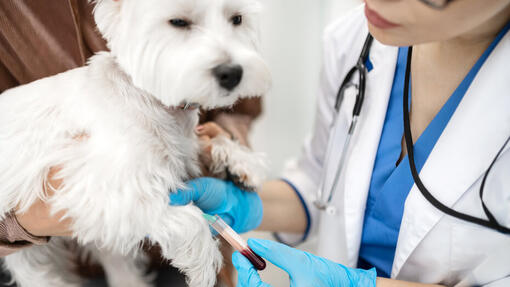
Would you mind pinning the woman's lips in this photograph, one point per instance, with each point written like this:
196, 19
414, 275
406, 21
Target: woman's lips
377, 20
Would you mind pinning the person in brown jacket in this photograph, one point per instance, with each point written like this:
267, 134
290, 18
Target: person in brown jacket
41, 38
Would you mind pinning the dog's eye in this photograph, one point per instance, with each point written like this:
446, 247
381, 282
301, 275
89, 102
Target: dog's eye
237, 20
180, 23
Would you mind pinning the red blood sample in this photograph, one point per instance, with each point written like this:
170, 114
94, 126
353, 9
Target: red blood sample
256, 260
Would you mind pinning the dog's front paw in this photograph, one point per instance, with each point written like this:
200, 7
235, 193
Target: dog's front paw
243, 166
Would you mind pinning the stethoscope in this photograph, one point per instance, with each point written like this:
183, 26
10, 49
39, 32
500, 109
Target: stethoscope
323, 201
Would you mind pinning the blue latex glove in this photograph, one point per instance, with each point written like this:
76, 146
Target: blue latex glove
240, 209
304, 269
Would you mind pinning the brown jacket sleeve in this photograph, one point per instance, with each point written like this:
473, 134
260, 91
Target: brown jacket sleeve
13, 237
43, 38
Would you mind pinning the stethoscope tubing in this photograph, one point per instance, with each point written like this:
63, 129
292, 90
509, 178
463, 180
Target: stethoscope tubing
323, 201
491, 223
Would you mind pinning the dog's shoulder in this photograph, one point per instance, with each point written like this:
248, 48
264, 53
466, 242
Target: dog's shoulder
49, 86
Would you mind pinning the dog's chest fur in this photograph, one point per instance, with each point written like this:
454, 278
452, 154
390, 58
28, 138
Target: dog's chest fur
146, 123
92, 117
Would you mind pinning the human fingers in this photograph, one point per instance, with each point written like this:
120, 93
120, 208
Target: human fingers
187, 195
204, 138
206, 146
286, 258
180, 197
211, 129
38, 220
207, 193
247, 276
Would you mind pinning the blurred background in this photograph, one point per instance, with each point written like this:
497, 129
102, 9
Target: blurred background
291, 43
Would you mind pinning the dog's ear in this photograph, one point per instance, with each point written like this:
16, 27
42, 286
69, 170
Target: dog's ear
107, 17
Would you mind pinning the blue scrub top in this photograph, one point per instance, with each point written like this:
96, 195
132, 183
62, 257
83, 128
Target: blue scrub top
391, 183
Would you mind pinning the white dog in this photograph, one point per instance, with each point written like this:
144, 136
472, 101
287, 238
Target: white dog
115, 130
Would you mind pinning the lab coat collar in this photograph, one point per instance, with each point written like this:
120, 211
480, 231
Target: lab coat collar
360, 163
469, 143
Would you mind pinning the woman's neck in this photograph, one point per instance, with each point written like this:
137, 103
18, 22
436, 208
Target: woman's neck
439, 67
470, 45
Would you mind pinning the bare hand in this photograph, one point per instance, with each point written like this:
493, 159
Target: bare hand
38, 221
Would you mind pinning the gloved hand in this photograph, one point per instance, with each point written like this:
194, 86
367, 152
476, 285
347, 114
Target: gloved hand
240, 209
304, 269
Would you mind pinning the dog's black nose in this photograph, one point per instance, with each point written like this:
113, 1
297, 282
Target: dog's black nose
229, 76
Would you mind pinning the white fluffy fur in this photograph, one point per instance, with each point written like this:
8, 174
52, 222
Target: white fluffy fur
122, 146
246, 167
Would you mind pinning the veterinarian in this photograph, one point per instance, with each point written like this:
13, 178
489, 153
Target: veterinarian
438, 216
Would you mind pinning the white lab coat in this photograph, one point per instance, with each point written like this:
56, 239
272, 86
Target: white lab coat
432, 247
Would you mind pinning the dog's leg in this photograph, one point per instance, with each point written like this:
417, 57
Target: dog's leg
186, 240
246, 167
122, 271
43, 266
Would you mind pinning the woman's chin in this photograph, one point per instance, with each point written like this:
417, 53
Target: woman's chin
392, 37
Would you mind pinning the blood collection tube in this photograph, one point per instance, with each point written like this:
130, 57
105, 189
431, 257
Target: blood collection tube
235, 240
